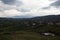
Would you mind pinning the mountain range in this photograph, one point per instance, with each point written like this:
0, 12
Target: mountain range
49, 18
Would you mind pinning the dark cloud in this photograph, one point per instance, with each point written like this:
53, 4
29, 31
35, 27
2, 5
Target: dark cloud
12, 2
56, 4
8, 1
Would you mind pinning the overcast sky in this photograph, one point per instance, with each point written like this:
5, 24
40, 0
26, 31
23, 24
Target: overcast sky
29, 8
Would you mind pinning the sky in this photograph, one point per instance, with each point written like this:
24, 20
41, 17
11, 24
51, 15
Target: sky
29, 8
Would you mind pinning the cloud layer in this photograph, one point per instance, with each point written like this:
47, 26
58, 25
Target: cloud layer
28, 8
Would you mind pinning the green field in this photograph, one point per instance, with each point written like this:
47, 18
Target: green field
25, 35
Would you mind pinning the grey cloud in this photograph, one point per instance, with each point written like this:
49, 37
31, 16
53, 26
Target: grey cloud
8, 1
56, 4
23, 10
12, 2
3, 8
46, 7
18, 3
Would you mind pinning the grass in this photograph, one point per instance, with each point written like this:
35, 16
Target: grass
26, 35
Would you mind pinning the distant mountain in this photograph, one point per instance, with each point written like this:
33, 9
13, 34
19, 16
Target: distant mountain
49, 18
53, 18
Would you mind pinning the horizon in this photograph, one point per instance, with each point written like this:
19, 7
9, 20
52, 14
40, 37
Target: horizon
30, 17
